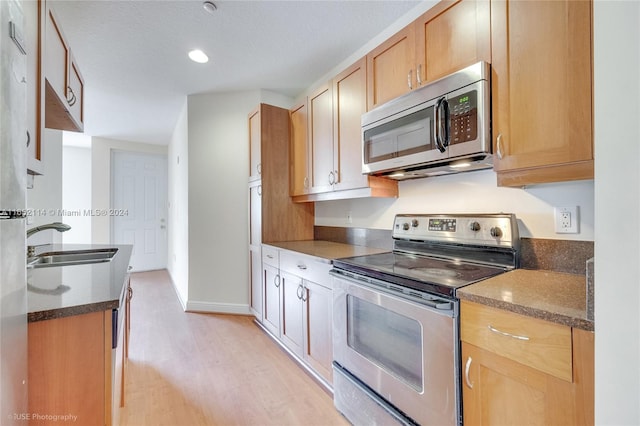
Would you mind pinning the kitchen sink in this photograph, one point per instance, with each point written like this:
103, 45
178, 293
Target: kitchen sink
74, 257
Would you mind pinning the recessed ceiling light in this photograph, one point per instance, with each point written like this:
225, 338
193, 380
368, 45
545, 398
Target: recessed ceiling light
209, 6
197, 55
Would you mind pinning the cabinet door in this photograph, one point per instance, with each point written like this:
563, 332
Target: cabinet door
499, 391
321, 139
256, 282
318, 319
452, 35
32, 34
541, 88
299, 166
292, 306
254, 145
75, 92
390, 68
56, 55
271, 296
255, 213
349, 103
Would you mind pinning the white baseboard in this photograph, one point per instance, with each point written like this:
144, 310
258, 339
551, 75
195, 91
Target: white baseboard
217, 308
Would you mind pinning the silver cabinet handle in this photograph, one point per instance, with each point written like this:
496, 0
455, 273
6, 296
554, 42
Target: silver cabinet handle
269, 256
259, 190
499, 146
336, 176
302, 266
303, 298
28, 138
466, 373
504, 333
259, 168
418, 77
409, 80
276, 280
71, 100
332, 178
299, 291
306, 182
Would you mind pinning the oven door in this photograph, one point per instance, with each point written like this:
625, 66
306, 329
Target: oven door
404, 351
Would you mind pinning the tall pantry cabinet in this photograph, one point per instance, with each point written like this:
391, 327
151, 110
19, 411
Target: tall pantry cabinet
273, 216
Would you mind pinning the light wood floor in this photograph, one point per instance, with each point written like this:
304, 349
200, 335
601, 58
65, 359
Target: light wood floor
202, 369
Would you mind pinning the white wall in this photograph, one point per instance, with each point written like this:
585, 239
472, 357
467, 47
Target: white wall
472, 192
101, 149
76, 193
218, 198
178, 196
617, 211
45, 198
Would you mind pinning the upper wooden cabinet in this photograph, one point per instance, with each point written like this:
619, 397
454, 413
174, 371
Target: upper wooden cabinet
273, 215
63, 83
334, 144
34, 116
299, 156
542, 91
254, 145
451, 36
446, 38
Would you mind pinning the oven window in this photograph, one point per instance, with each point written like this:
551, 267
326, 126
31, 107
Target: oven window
390, 340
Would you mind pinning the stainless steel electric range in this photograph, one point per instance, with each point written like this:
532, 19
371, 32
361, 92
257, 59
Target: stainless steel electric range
396, 316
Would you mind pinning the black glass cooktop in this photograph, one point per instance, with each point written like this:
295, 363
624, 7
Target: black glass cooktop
422, 273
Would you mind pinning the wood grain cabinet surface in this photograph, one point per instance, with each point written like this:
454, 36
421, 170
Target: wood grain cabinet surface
63, 82
446, 38
542, 91
522, 370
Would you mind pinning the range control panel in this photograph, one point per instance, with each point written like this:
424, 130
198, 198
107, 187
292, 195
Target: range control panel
496, 230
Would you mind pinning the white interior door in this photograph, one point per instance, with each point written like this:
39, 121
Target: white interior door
139, 204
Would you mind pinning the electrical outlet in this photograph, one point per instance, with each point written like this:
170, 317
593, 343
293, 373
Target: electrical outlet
566, 220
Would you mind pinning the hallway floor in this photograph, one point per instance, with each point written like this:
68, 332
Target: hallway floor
205, 369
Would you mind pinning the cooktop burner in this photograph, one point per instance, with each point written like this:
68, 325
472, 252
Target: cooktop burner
441, 253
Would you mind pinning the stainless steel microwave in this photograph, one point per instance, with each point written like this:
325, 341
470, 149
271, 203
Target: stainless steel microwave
441, 128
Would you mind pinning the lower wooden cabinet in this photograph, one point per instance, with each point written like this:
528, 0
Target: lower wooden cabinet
297, 307
506, 382
74, 369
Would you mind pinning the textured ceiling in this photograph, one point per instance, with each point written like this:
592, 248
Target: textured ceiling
133, 54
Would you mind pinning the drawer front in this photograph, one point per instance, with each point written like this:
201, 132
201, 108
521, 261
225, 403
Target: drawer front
270, 256
308, 267
539, 344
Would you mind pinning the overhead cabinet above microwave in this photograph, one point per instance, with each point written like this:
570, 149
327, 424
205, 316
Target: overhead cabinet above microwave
441, 128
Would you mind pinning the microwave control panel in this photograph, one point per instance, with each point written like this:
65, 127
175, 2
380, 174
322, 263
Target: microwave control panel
463, 110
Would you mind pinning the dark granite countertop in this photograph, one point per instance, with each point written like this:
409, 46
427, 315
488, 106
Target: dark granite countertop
552, 296
328, 250
61, 291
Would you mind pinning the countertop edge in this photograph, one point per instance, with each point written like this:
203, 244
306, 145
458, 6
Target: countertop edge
570, 321
72, 311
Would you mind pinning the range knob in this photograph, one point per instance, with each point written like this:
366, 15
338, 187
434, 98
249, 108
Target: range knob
496, 232
405, 226
414, 223
474, 226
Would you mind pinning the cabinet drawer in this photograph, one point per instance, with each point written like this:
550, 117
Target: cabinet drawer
539, 344
308, 267
270, 256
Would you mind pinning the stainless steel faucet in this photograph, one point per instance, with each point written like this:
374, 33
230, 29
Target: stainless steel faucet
58, 226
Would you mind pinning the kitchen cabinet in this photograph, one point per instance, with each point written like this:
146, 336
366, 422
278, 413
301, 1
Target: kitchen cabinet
63, 83
33, 138
446, 38
306, 307
299, 184
522, 370
542, 91
271, 290
335, 142
273, 216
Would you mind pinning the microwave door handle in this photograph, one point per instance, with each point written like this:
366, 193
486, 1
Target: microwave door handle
438, 126
446, 122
